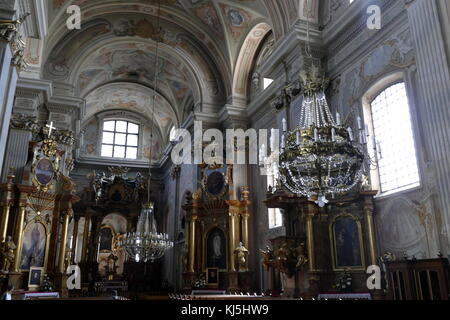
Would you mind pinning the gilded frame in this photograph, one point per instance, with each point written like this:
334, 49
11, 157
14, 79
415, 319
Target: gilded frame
333, 243
112, 239
41, 277
36, 181
37, 219
205, 247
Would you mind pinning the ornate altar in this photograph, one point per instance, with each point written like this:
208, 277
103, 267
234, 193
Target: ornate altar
217, 236
36, 211
321, 244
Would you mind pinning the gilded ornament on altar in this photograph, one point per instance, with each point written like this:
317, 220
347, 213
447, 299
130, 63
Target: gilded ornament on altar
49, 147
267, 257
282, 257
7, 254
302, 259
241, 255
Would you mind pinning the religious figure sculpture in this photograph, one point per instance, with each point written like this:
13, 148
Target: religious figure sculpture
7, 254
241, 253
302, 259
267, 257
282, 256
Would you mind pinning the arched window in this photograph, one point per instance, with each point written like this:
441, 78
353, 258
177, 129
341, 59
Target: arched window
120, 139
393, 140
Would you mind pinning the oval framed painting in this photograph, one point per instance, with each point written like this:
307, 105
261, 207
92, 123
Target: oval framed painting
215, 183
44, 171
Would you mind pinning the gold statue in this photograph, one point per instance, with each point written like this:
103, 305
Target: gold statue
241, 253
302, 259
67, 258
267, 257
7, 254
282, 256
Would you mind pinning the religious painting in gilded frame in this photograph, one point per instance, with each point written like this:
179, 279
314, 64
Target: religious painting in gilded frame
216, 249
212, 277
215, 182
347, 243
35, 277
34, 246
44, 171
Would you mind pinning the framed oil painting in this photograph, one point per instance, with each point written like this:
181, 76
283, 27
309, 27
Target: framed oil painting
35, 277
215, 183
33, 246
212, 276
216, 249
347, 245
106, 239
44, 171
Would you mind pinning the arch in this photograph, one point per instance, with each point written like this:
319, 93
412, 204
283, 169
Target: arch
246, 58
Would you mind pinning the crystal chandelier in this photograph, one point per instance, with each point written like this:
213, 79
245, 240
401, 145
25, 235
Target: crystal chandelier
146, 244
320, 157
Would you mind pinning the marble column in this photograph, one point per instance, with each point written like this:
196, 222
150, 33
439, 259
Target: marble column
433, 83
87, 222
75, 239
63, 245
8, 81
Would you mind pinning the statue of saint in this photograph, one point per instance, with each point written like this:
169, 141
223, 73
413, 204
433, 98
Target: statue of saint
241, 253
267, 257
7, 254
282, 256
301, 256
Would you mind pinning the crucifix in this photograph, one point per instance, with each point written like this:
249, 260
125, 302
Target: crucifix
50, 128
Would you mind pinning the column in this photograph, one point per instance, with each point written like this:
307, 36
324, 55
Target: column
11, 62
75, 239
18, 235
87, 222
433, 83
62, 248
368, 217
7, 201
232, 239
192, 224
310, 236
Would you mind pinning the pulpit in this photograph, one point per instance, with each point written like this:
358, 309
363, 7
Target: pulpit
217, 233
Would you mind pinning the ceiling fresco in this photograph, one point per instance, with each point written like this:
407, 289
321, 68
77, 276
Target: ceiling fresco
206, 48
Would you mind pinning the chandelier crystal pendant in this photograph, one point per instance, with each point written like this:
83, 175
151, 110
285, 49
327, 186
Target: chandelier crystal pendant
146, 244
320, 157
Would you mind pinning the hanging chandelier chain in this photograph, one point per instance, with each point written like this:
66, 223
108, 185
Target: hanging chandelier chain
155, 86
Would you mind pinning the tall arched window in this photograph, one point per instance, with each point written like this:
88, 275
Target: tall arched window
394, 140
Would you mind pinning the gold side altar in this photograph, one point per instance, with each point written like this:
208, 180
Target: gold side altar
322, 245
35, 214
217, 239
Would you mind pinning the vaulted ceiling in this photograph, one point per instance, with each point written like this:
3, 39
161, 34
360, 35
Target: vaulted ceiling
205, 53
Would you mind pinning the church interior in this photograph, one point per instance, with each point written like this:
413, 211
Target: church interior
225, 149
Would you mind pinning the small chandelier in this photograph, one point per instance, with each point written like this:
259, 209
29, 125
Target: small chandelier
320, 157
146, 244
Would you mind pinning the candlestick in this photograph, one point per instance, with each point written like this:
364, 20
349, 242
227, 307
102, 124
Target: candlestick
359, 122
284, 125
338, 119
283, 142
298, 137
350, 133
333, 134
316, 135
